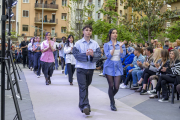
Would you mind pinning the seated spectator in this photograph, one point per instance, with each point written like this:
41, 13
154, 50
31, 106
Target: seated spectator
128, 59
171, 72
149, 70
158, 66
146, 44
148, 60
170, 47
166, 46
159, 45
133, 67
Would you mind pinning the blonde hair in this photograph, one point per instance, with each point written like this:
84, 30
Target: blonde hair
172, 45
159, 44
157, 55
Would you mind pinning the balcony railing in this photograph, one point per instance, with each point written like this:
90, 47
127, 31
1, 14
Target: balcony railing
176, 13
48, 22
13, 18
51, 7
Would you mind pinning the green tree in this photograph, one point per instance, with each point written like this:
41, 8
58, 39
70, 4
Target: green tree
152, 17
173, 32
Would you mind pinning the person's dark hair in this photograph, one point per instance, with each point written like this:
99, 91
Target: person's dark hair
147, 43
110, 32
67, 42
63, 37
47, 34
149, 49
87, 26
138, 49
166, 41
33, 40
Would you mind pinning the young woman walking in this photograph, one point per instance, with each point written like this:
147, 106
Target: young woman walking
113, 68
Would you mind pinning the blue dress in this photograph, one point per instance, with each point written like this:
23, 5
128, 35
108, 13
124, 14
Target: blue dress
113, 67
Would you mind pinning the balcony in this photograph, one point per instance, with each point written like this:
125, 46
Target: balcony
47, 7
12, 19
173, 2
176, 13
48, 22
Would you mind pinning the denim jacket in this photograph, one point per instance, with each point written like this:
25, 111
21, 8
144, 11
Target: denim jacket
141, 59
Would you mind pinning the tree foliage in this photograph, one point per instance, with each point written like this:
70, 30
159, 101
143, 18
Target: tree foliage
152, 16
173, 32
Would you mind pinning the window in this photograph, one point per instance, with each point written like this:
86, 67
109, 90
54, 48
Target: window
64, 2
99, 3
63, 29
79, 14
79, 26
168, 24
64, 16
120, 13
25, 27
25, 13
25, 1
7, 27
99, 15
121, 3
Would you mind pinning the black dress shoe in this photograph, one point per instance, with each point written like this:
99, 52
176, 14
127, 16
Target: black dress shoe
113, 108
139, 90
49, 80
86, 110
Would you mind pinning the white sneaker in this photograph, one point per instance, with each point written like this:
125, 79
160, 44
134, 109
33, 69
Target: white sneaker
101, 74
38, 76
122, 84
124, 87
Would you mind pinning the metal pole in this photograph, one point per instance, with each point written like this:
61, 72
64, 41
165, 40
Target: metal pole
3, 19
42, 20
9, 40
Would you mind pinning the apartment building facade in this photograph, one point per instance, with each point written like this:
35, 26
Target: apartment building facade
175, 7
30, 14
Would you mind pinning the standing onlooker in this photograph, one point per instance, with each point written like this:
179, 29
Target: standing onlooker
166, 46
24, 45
130, 44
56, 53
61, 53
155, 45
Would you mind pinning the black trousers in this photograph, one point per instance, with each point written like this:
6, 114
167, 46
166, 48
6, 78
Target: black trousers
62, 63
47, 69
128, 78
146, 74
164, 79
84, 78
178, 88
25, 58
70, 69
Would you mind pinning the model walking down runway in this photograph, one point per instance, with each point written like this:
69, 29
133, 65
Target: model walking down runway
113, 68
47, 57
37, 55
86, 52
31, 53
70, 60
